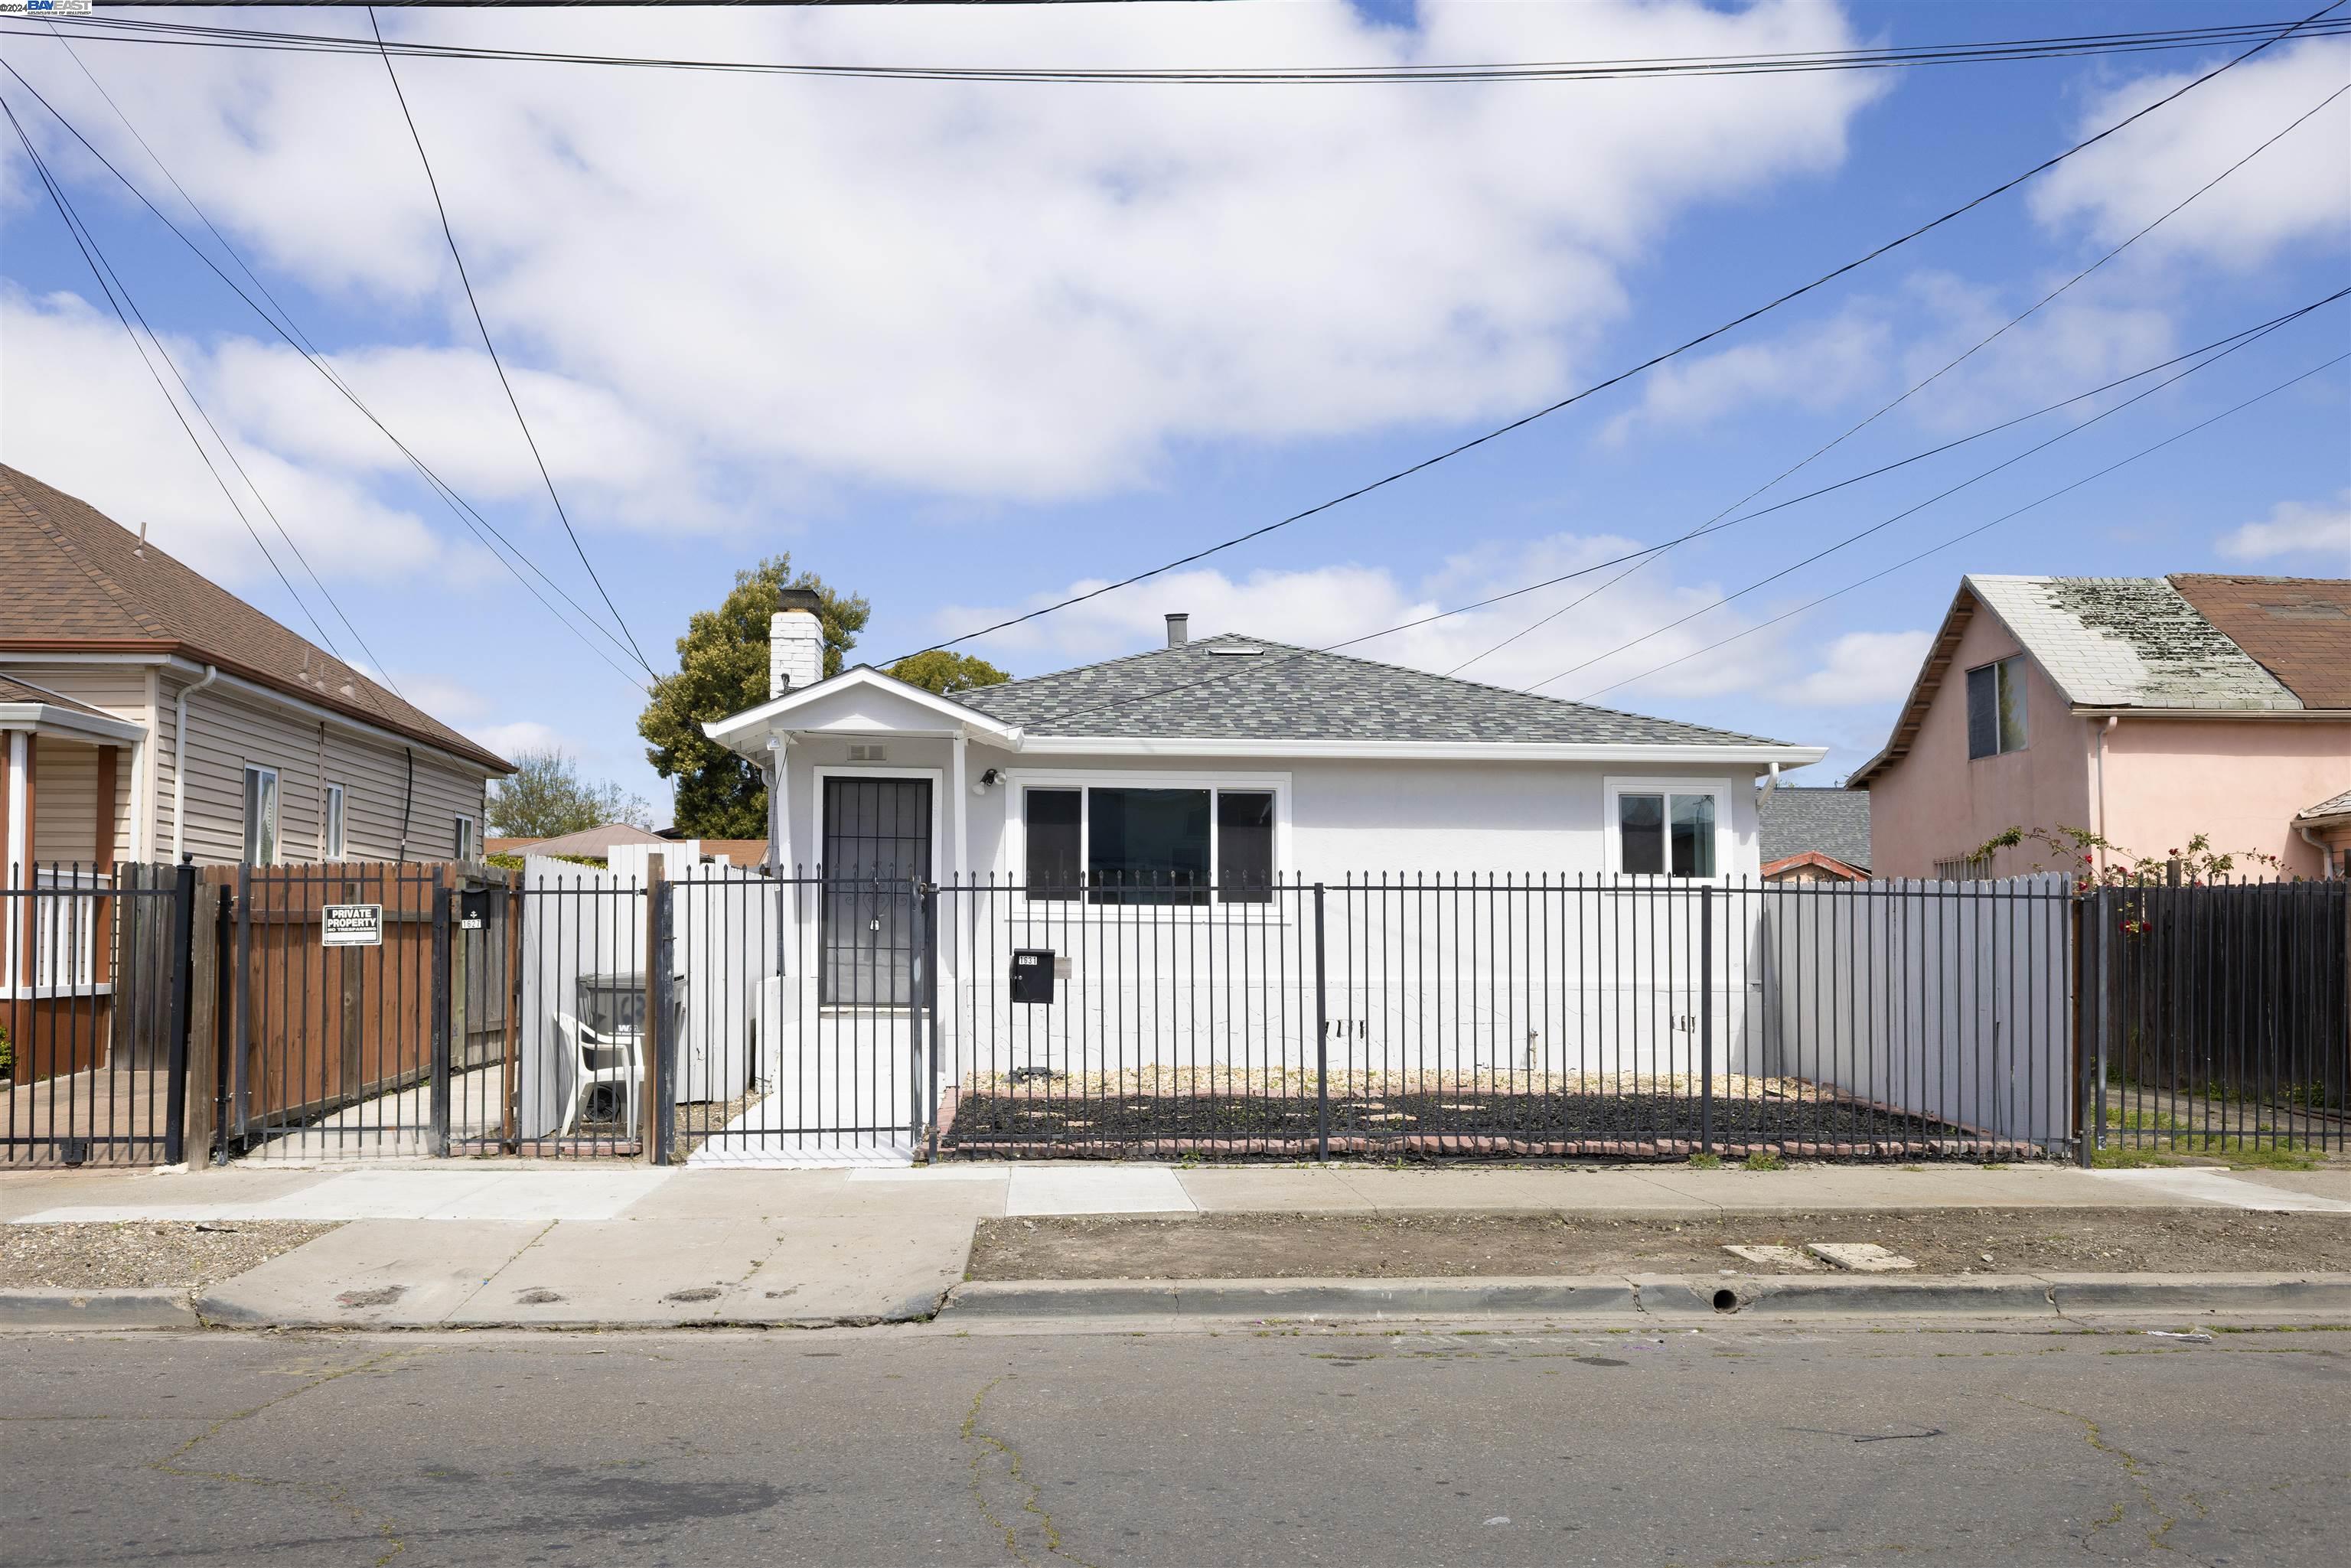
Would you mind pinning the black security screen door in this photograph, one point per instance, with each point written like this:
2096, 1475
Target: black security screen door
877, 844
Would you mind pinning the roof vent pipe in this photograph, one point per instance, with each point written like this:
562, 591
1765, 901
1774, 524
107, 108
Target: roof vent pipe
1179, 629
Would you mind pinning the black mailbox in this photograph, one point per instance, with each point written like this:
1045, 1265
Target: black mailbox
1033, 974
473, 908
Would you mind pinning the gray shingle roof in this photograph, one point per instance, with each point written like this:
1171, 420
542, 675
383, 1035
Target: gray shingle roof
1284, 692
2130, 642
2340, 806
1817, 821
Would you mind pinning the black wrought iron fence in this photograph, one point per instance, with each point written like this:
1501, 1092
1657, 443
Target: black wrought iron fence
93, 1009
2220, 1017
1503, 1015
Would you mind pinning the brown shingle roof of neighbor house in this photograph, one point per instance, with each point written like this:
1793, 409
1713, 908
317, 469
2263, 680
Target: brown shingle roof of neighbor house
593, 843
2298, 628
738, 851
77, 580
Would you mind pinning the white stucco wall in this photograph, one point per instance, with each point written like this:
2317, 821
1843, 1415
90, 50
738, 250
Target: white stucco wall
1343, 817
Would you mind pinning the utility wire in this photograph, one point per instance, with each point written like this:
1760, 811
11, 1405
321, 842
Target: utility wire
1716, 522
450, 235
1650, 67
1624, 375
100, 268
496, 543
382, 669
1858, 535
1970, 533
2237, 338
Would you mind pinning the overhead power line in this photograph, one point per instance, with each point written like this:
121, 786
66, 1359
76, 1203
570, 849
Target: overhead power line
1716, 523
1624, 375
451, 235
118, 29
108, 282
1859, 534
1978, 528
471, 516
2213, 350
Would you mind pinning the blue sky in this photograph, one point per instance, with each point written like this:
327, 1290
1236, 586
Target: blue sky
964, 348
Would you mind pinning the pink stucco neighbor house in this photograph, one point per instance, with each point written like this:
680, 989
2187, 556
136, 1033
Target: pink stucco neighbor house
2145, 709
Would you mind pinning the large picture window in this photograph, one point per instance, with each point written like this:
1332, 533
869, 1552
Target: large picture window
1148, 844
1665, 830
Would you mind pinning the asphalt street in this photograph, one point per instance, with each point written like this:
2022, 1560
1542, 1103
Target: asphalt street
1740, 1444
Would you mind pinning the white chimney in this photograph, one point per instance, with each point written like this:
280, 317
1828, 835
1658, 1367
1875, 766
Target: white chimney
1179, 628
795, 644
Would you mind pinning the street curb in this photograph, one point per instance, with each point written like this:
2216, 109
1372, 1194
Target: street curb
36, 1309
2327, 1295
1674, 1296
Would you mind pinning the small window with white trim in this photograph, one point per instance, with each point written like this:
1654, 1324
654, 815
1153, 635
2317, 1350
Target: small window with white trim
1996, 708
260, 816
333, 849
468, 840
1666, 828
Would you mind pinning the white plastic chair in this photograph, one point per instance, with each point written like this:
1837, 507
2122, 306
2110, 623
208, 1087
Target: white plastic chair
627, 1074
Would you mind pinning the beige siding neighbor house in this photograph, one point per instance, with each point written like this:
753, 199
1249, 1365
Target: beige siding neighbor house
146, 714
2145, 709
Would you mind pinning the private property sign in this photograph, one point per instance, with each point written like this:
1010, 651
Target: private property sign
350, 925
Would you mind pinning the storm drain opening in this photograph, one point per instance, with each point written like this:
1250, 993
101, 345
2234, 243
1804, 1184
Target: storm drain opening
1726, 1299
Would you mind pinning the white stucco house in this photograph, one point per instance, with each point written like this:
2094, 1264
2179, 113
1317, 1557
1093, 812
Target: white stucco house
1230, 761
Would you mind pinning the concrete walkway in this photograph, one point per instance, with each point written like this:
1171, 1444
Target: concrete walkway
624, 1246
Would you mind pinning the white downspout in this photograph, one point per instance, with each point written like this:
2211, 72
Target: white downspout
2326, 855
958, 792
180, 762
16, 853
2104, 730
1769, 785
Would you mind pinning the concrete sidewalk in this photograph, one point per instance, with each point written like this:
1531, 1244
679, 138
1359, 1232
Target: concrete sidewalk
479, 1245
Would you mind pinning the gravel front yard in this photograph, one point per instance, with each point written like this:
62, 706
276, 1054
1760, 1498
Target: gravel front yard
991, 1122
144, 1253
1946, 1242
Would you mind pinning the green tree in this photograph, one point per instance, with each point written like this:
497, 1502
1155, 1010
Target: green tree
947, 673
547, 797
722, 668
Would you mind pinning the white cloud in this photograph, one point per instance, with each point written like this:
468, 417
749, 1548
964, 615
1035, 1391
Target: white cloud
78, 411
2065, 348
2297, 527
975, 290
1815, 368
519, 736
1324, 605
1862, 667
2299, 189
1880, 344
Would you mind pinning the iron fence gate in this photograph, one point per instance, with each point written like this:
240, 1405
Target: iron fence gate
94, 1013
336, 1043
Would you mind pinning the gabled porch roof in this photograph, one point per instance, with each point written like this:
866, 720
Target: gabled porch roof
859, 701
